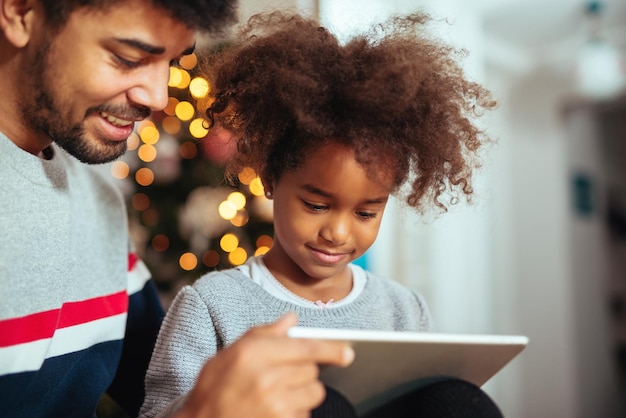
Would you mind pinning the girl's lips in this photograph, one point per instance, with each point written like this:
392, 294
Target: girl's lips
326, 257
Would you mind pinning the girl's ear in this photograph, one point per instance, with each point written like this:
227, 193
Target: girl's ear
268, 187
16, 21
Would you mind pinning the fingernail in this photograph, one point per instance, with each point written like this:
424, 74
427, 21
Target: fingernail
348, 355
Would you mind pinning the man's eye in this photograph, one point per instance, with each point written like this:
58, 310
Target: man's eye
128, 63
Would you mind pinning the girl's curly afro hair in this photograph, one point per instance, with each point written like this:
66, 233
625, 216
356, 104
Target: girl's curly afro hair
396, 97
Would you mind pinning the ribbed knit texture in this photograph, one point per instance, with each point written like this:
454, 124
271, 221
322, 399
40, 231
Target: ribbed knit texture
64, 278
221, 306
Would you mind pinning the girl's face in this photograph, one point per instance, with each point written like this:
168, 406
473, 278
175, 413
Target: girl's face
326, 214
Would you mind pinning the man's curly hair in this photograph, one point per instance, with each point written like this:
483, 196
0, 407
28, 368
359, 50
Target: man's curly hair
396, 97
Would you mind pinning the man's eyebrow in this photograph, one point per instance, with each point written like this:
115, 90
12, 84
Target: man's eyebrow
151, 49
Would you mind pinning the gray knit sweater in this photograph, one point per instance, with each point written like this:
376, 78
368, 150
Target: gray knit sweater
221, 306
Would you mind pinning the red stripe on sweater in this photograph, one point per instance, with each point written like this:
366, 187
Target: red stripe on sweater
132, 260
42, 325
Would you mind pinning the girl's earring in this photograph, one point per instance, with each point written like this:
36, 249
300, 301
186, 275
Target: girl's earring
268, 194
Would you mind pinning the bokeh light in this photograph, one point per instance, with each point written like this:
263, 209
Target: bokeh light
238, 256
227, 210
140, 201
264, 241
188, 150
171, 106
256, 187
120, 170
188, 62
241, 218
211, 258
147, 153
188, 261
261, 250
238, 199
149, 134
150, 217
247, 175
185, 78
199, 87
132, 142
197, 128
171, 125
229, 242
176, 76
144, 176
185, 110
160, 242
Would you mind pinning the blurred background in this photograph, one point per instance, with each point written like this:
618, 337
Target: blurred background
541, 251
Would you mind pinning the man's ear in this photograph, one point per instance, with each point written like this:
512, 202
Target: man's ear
16, 21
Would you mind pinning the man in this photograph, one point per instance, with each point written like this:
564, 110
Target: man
79, 315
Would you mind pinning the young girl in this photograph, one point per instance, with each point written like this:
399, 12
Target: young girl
334, 130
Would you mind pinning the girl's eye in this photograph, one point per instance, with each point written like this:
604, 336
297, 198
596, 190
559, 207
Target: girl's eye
313, 207
366, 215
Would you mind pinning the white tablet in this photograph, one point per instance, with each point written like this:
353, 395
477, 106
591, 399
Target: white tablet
389, 363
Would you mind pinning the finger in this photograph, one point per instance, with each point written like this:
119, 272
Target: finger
296, 350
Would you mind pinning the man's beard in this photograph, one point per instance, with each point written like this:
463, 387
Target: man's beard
45, 114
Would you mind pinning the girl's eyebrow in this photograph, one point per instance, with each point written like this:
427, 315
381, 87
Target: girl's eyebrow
316, 190
151, 49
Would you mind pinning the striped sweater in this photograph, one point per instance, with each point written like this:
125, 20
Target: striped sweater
70, 291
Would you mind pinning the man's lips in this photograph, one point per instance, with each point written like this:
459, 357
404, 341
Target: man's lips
118, 121
115, 128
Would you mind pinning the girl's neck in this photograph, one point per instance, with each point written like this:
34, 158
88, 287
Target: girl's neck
298, 282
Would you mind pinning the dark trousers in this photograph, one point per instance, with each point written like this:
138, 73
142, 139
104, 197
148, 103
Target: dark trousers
449, 398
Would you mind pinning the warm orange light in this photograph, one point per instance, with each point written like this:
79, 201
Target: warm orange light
188, 62
120, 170
238, 256
238, 199
176, 76
140, 201
229, 242
197, 128
211, 258
160, 242
256, 187
188, 261
185, 110
171, 125
261, 251
188, 150
264, 241
247, 175
132, 142
144, 176
199, 87
147, 153
149, 134
171, 106
227, 210
241, 218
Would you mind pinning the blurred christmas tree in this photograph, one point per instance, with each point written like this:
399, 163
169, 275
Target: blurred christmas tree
185, 219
